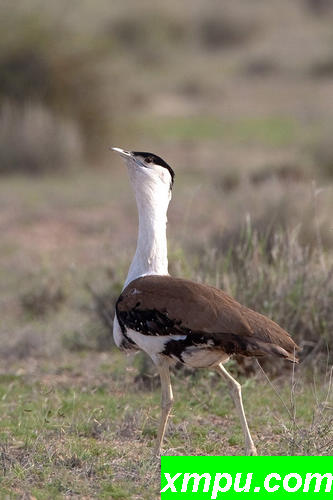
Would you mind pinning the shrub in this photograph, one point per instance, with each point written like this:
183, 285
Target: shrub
322, 153
218, 32
319, 7
271, 273
34, 140
48, 70
42, 298
274, 274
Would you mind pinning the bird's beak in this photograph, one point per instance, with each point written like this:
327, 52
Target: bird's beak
122, 152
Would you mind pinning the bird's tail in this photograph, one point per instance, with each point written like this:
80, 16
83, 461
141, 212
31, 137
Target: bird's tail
276, 350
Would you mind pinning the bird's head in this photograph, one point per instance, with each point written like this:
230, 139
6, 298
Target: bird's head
148, 172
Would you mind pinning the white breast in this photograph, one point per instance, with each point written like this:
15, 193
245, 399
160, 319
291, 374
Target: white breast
152, 344
118, 336
203, 357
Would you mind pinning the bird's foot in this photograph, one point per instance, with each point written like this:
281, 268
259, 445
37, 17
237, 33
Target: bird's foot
251, 451
157, 451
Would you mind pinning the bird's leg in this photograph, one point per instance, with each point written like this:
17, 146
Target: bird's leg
236, 394
166, 403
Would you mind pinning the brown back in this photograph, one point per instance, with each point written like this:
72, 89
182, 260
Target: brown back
172, 305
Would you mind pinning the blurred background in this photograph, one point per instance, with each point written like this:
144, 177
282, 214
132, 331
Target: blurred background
237, 96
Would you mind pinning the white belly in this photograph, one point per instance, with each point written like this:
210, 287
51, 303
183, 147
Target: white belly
118, 336
203, 357
152, 344
194, 356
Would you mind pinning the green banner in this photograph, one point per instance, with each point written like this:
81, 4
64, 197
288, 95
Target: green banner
228, 477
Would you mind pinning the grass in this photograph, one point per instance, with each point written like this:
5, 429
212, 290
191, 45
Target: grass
78, 417
184, 72
271, 131
67, 430
246, 123
273, 273
62, 439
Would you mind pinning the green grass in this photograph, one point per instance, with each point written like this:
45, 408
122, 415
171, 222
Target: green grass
62, 439
71, 430
272, 131
78, 418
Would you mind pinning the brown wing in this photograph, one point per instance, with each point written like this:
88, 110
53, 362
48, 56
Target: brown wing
162, 305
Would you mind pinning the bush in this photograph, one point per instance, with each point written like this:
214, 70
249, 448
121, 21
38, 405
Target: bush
271, 273
277, 276
43, 298
319, 7
322, 153
34, 140
216, 32
54, 79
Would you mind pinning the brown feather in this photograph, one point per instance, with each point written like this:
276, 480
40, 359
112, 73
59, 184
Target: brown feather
205, 310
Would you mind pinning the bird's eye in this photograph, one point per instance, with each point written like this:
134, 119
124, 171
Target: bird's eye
149, 159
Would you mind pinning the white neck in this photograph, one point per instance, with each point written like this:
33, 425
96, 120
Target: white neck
151, 256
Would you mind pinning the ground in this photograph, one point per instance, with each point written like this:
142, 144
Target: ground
79, 417
83, 426
237, 98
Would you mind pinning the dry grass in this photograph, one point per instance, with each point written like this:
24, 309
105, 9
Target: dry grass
78, 417
274, 274
270, 273
84, 425
111, 74
245, 120
51, 144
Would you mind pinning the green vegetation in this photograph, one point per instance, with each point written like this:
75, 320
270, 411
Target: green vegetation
78, 417
90, 74
274, 132
66, 432
245, 121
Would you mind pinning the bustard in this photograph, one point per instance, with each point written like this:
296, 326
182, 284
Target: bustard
176, 319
